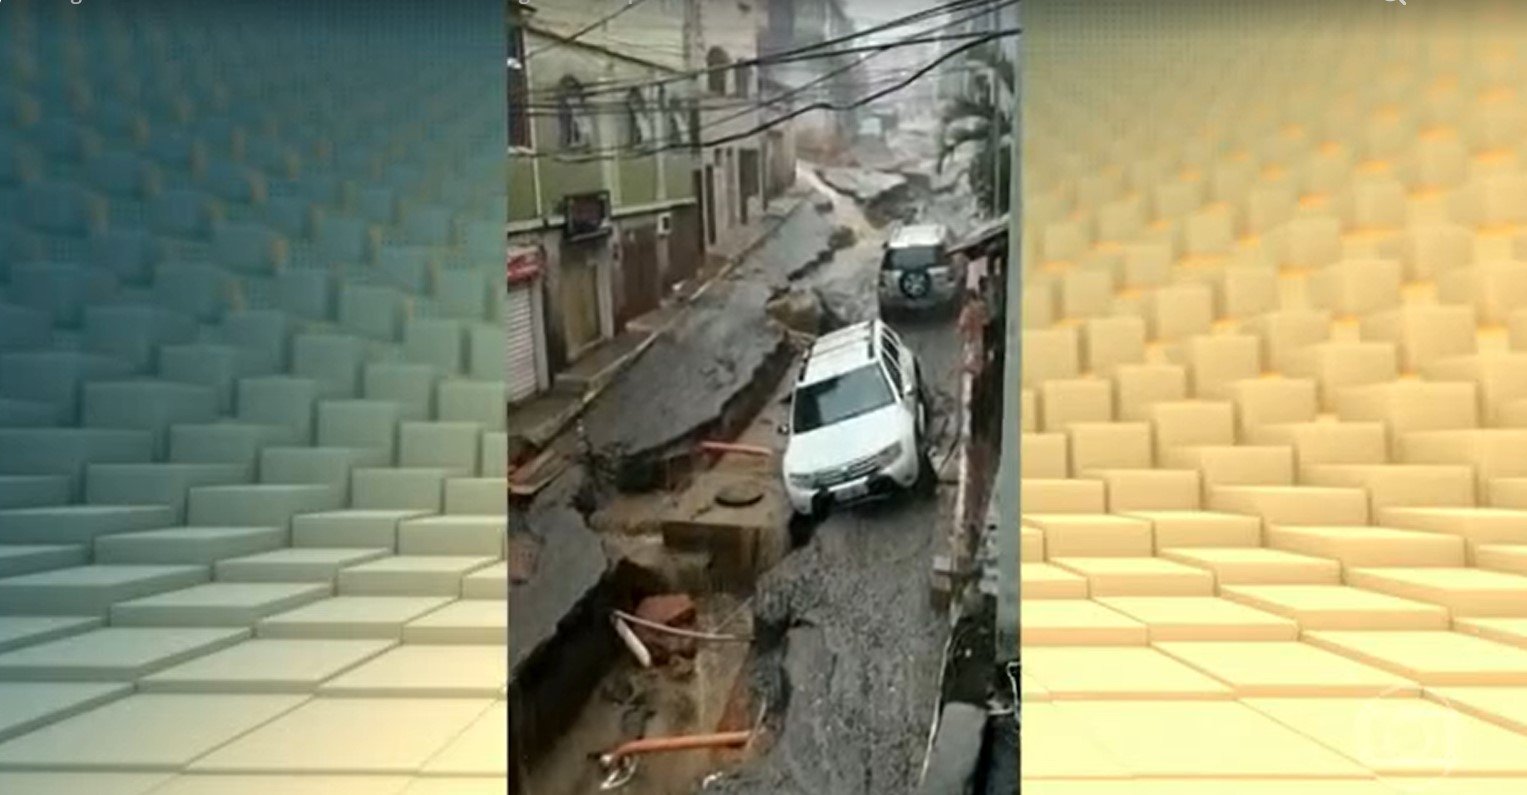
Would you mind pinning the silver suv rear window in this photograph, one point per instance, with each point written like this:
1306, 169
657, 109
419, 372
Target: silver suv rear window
913, 258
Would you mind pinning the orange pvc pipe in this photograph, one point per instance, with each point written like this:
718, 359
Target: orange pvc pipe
685, 743
727, 447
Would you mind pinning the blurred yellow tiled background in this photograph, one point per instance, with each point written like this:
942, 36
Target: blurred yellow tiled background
1275, 397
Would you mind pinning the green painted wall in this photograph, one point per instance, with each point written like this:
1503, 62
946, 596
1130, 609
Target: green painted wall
568, 179
639, 176
522, 196
638, 181
678, 167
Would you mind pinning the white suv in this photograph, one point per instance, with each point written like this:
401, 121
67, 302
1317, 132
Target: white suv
858, 420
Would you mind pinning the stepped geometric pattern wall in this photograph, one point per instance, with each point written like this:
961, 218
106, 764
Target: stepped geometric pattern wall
1274, 495
251, 397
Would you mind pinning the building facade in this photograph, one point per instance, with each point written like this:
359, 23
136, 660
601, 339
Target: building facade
527, 366
603, 207
789, 26
732, 173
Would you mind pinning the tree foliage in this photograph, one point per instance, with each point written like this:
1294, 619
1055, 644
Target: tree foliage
984, 123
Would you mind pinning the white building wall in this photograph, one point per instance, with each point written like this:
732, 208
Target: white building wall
647, 30
733, 27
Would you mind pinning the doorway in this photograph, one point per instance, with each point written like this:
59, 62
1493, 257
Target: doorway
579, 294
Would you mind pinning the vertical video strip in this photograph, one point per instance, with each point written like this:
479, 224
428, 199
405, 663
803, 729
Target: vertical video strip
756, 335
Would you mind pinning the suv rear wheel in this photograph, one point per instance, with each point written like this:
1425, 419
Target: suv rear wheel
915, 284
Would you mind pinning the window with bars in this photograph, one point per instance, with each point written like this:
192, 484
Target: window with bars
672, 110
573, 117
742, 77
716, 61
638, 120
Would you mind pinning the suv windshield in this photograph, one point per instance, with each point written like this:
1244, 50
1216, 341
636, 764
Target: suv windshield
912, 258
837, 399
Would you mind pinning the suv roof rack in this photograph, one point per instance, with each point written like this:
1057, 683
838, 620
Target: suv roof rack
841, 339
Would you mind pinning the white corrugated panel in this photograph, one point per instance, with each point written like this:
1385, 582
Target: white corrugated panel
521, 365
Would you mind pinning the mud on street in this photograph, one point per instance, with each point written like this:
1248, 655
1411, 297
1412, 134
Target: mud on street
848, 644
842, 671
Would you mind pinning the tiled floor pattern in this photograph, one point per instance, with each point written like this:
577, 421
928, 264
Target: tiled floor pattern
251, 417
1274, 460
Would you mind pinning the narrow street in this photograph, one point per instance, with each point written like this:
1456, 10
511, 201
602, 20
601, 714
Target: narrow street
851, 646
707, 190
846, 646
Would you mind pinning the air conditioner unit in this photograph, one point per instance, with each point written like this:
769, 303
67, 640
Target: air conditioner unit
664, 224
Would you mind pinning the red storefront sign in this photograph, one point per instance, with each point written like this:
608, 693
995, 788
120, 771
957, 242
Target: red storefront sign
524, 265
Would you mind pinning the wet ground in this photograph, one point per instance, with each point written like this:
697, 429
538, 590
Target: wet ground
850, 645
854, 669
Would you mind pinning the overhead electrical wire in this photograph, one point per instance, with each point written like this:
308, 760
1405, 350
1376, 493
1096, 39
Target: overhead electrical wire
643, 151
587, 29
724, 104
623, 85
622, 105
986, 7
810, 52
775, 101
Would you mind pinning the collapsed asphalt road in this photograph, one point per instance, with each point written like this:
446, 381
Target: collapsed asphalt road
850, 655
849, 645
686, 379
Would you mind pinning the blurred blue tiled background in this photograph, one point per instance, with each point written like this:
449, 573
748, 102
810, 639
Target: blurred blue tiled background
251, 396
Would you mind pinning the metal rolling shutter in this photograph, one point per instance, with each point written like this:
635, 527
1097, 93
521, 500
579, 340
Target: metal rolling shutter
521, 348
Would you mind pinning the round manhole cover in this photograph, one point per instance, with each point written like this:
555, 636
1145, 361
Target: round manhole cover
738, 495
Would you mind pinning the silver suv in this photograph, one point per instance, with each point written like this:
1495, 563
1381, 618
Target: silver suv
918, 272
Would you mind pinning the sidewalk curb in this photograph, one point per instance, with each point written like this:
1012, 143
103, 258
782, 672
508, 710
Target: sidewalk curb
624, 363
